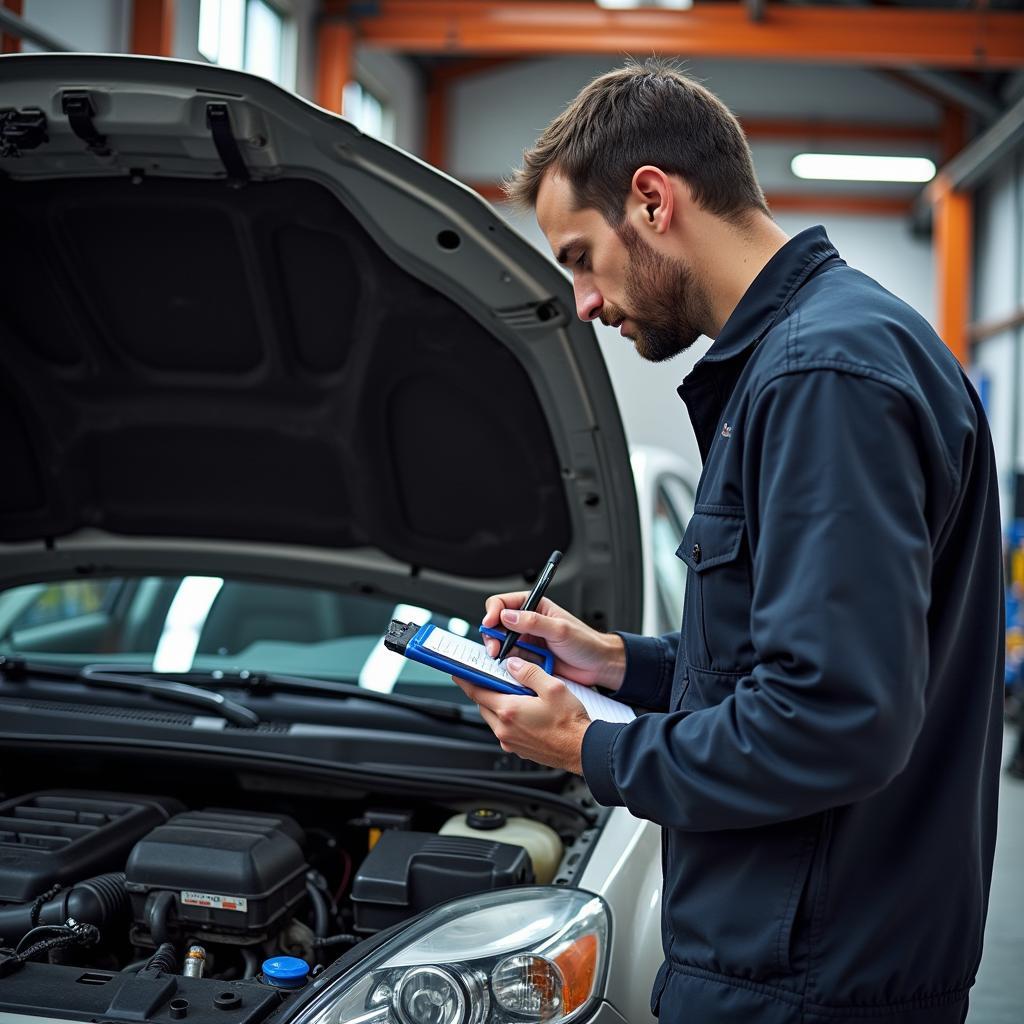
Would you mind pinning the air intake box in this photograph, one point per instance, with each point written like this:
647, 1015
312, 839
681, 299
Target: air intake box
231, 875
64, 836
407, 872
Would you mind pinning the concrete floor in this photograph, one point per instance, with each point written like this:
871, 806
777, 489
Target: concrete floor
998, 996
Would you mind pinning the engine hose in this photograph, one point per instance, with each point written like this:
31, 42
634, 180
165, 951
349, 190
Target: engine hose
319, 901
98, 901
335, 940
252, 963
157, 915
165, 959
79, 934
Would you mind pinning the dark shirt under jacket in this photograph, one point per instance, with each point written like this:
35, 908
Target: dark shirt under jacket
826, 764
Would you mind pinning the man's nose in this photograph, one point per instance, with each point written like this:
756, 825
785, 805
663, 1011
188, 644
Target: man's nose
588, 303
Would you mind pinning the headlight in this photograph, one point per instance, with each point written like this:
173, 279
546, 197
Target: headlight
512, 957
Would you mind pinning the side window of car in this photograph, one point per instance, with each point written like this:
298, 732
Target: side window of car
60, 602
672, 510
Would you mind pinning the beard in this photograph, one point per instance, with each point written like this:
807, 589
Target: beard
669, 302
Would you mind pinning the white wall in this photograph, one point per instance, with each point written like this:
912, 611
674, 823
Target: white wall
496, 115
92, 26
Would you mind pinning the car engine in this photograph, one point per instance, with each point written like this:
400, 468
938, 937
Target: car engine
136, 907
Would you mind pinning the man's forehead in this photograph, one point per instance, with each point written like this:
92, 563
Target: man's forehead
562, 223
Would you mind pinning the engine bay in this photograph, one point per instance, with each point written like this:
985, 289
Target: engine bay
143, 906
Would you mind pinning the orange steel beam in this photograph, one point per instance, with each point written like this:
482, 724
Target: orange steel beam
153, 27
471, 66
334, 62
952, 241
875, 36
781, 202
953, 134
953, 225
992, 328
787, 128
10, 43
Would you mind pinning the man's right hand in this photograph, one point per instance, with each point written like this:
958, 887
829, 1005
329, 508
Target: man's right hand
581, 654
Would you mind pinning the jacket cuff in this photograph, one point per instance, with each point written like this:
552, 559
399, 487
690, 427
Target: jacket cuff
647, 682
596, 755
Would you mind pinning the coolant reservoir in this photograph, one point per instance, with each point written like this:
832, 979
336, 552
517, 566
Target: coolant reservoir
539, 841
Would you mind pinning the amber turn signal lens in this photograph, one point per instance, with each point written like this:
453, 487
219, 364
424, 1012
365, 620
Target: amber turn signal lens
578, 964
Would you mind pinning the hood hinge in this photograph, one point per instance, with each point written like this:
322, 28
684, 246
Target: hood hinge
77, 104
21, 129
218, 120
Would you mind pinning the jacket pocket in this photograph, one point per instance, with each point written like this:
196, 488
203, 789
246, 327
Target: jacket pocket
716, 617
738, 900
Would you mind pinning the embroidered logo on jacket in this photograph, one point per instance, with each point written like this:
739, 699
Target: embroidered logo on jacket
727, 431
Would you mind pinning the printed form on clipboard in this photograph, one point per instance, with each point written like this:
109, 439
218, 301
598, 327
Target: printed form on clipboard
459, 656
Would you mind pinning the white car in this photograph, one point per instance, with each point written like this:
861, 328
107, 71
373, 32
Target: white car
266, 385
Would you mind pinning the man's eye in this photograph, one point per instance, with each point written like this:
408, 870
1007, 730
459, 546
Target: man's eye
581, 261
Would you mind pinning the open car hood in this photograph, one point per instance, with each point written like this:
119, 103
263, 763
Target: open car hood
239, 336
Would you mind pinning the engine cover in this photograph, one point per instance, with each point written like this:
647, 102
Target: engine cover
228, 875
63, 836
407, 872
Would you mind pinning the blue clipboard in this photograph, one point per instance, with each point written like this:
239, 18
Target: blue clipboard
408, 639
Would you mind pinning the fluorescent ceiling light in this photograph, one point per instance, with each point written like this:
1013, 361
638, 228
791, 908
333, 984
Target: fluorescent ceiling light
633, 5
847, 167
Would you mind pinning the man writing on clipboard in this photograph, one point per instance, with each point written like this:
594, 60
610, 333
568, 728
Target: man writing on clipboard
824, 752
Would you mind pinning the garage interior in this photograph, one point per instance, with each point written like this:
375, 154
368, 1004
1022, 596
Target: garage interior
466, 86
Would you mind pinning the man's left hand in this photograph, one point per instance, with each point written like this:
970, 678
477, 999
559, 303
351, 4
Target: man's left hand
547, 728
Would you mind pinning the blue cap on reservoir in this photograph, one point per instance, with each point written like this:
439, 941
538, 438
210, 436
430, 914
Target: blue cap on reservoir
285, 971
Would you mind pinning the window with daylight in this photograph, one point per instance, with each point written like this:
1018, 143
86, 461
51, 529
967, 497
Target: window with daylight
368, 112
249, 35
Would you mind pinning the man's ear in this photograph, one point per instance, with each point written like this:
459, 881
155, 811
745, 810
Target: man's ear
651, 200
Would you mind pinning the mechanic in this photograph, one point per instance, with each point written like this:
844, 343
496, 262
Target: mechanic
824, 743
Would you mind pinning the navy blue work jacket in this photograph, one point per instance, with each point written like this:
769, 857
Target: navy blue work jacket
825, 761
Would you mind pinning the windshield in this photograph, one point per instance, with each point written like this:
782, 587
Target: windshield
205, 623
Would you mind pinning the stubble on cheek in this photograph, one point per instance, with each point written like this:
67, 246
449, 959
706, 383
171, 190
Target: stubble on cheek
668, 300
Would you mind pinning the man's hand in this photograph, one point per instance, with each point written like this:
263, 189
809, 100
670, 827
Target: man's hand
547, 728
581, 654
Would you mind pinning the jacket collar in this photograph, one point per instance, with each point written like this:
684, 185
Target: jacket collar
709, 384
768, 294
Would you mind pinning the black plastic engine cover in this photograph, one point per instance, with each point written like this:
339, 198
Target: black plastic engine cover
231, 874
407, 872
84, 994
67, 835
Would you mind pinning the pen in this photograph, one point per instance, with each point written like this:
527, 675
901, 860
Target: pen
546, 576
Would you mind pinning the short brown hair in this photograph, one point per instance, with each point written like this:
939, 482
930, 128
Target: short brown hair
644, 113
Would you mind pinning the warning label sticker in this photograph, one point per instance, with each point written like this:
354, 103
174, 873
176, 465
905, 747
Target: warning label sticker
206, 899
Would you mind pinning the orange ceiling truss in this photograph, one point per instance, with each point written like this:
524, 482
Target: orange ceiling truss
977, 38
11, 43
153, 27
953, 243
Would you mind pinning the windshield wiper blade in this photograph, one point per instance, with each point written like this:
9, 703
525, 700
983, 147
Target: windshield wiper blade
181, 686
137, 680
115, 677
269, 682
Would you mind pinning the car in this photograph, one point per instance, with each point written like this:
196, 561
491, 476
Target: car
268, 384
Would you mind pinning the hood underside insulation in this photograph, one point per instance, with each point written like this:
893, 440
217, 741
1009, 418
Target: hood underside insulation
182, 358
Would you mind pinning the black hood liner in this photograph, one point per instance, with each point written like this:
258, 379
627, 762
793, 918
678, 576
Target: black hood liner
181, 358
